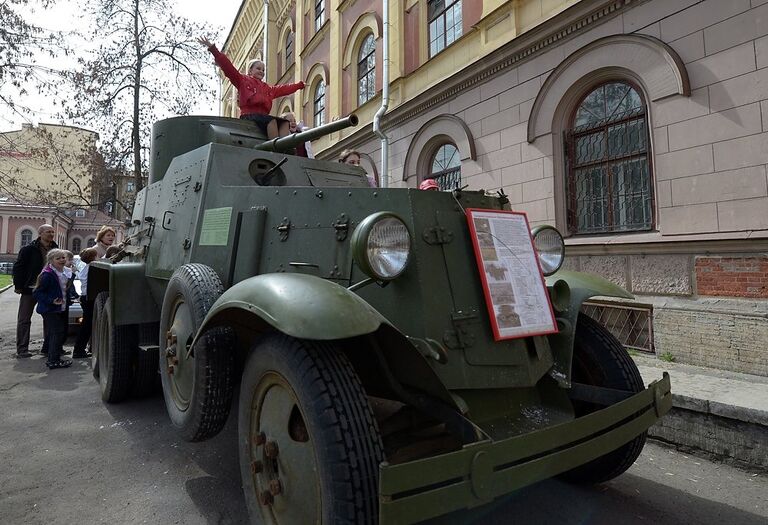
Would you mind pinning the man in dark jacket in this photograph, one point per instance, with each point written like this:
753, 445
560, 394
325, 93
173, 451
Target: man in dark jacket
27, 267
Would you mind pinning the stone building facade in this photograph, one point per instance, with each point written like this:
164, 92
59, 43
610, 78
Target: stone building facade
638, 127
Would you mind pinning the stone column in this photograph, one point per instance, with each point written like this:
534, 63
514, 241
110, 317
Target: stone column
4, 233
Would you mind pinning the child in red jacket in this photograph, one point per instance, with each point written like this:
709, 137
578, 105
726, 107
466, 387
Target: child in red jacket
254, 95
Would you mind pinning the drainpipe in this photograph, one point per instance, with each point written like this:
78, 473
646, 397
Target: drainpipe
384, 182
265, 21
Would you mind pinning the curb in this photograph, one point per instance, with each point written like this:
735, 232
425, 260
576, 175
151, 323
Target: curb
5, 288
719, 413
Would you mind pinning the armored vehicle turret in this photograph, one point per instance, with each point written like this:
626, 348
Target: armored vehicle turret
400, 354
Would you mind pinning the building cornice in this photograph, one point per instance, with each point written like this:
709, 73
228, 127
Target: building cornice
571, 22
564, 26
705, 244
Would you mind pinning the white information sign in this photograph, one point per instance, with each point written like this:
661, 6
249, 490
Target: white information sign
515, 292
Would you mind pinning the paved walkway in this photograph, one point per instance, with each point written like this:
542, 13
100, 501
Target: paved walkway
728, 394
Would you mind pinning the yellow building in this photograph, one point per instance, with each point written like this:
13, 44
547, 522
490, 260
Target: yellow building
638, 127
49, 164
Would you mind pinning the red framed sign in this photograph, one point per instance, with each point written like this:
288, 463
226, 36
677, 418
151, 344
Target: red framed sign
515, 291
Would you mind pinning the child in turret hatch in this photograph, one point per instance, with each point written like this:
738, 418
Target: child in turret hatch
254, 95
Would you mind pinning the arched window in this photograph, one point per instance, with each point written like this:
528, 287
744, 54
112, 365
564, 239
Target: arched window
446, 167
609, 185
366, 71
319, 104
76, 245
91, 242
26, 237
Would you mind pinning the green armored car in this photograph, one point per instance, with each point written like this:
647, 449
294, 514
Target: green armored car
400, 354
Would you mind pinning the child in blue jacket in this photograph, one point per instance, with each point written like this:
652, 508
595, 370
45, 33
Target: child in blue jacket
50, 294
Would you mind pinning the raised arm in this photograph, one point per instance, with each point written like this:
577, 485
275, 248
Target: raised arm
223, 62
286, 89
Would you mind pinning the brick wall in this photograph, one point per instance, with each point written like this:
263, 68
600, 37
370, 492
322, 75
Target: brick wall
732, 276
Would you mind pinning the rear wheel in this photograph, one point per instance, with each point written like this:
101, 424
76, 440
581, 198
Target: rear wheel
117, 351
309, 443
197, 383
599, 359
98, 313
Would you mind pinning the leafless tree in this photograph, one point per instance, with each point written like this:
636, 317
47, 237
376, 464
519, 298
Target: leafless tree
147, 66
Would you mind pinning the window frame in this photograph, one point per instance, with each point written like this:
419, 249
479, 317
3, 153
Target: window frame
572, 133
319, 14
288, 49
22, 244
443, 35
368, 75
318, 98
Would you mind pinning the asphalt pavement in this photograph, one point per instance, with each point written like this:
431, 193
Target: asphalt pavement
70, 458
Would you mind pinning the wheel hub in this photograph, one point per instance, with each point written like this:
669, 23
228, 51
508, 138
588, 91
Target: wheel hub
283, 463
179, 365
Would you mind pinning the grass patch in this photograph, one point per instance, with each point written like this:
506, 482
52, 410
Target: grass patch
5, 280
668, 357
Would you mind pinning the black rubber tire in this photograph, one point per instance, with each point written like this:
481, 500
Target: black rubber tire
338, 421
146, 374
198, 286
98, 313
600, 359
117, 345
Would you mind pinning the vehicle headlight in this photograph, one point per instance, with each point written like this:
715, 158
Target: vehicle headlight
550, 248
381, 245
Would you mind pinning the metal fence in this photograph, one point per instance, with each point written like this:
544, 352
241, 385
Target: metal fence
449, 180
632, 325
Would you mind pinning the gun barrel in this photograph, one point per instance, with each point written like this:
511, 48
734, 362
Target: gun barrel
291, 141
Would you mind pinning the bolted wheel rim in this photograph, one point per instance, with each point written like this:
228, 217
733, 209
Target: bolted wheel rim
180, 368
282, 454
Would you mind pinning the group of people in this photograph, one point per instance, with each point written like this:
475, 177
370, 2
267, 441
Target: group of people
44, 275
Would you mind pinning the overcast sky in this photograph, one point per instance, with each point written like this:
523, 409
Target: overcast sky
65, 15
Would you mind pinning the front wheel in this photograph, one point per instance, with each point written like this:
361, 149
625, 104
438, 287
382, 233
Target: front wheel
599, 359
309, 444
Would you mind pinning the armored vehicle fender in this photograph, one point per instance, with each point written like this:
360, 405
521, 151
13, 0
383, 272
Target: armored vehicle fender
568, 290
131, 304
298, 305
311, 308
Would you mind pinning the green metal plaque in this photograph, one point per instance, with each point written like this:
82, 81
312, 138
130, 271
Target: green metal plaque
215, 229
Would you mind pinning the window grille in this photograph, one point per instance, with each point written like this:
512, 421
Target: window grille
632, 325
444, 24
609, 186
76, 245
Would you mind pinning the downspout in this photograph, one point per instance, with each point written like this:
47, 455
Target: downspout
384, 179
264, 51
